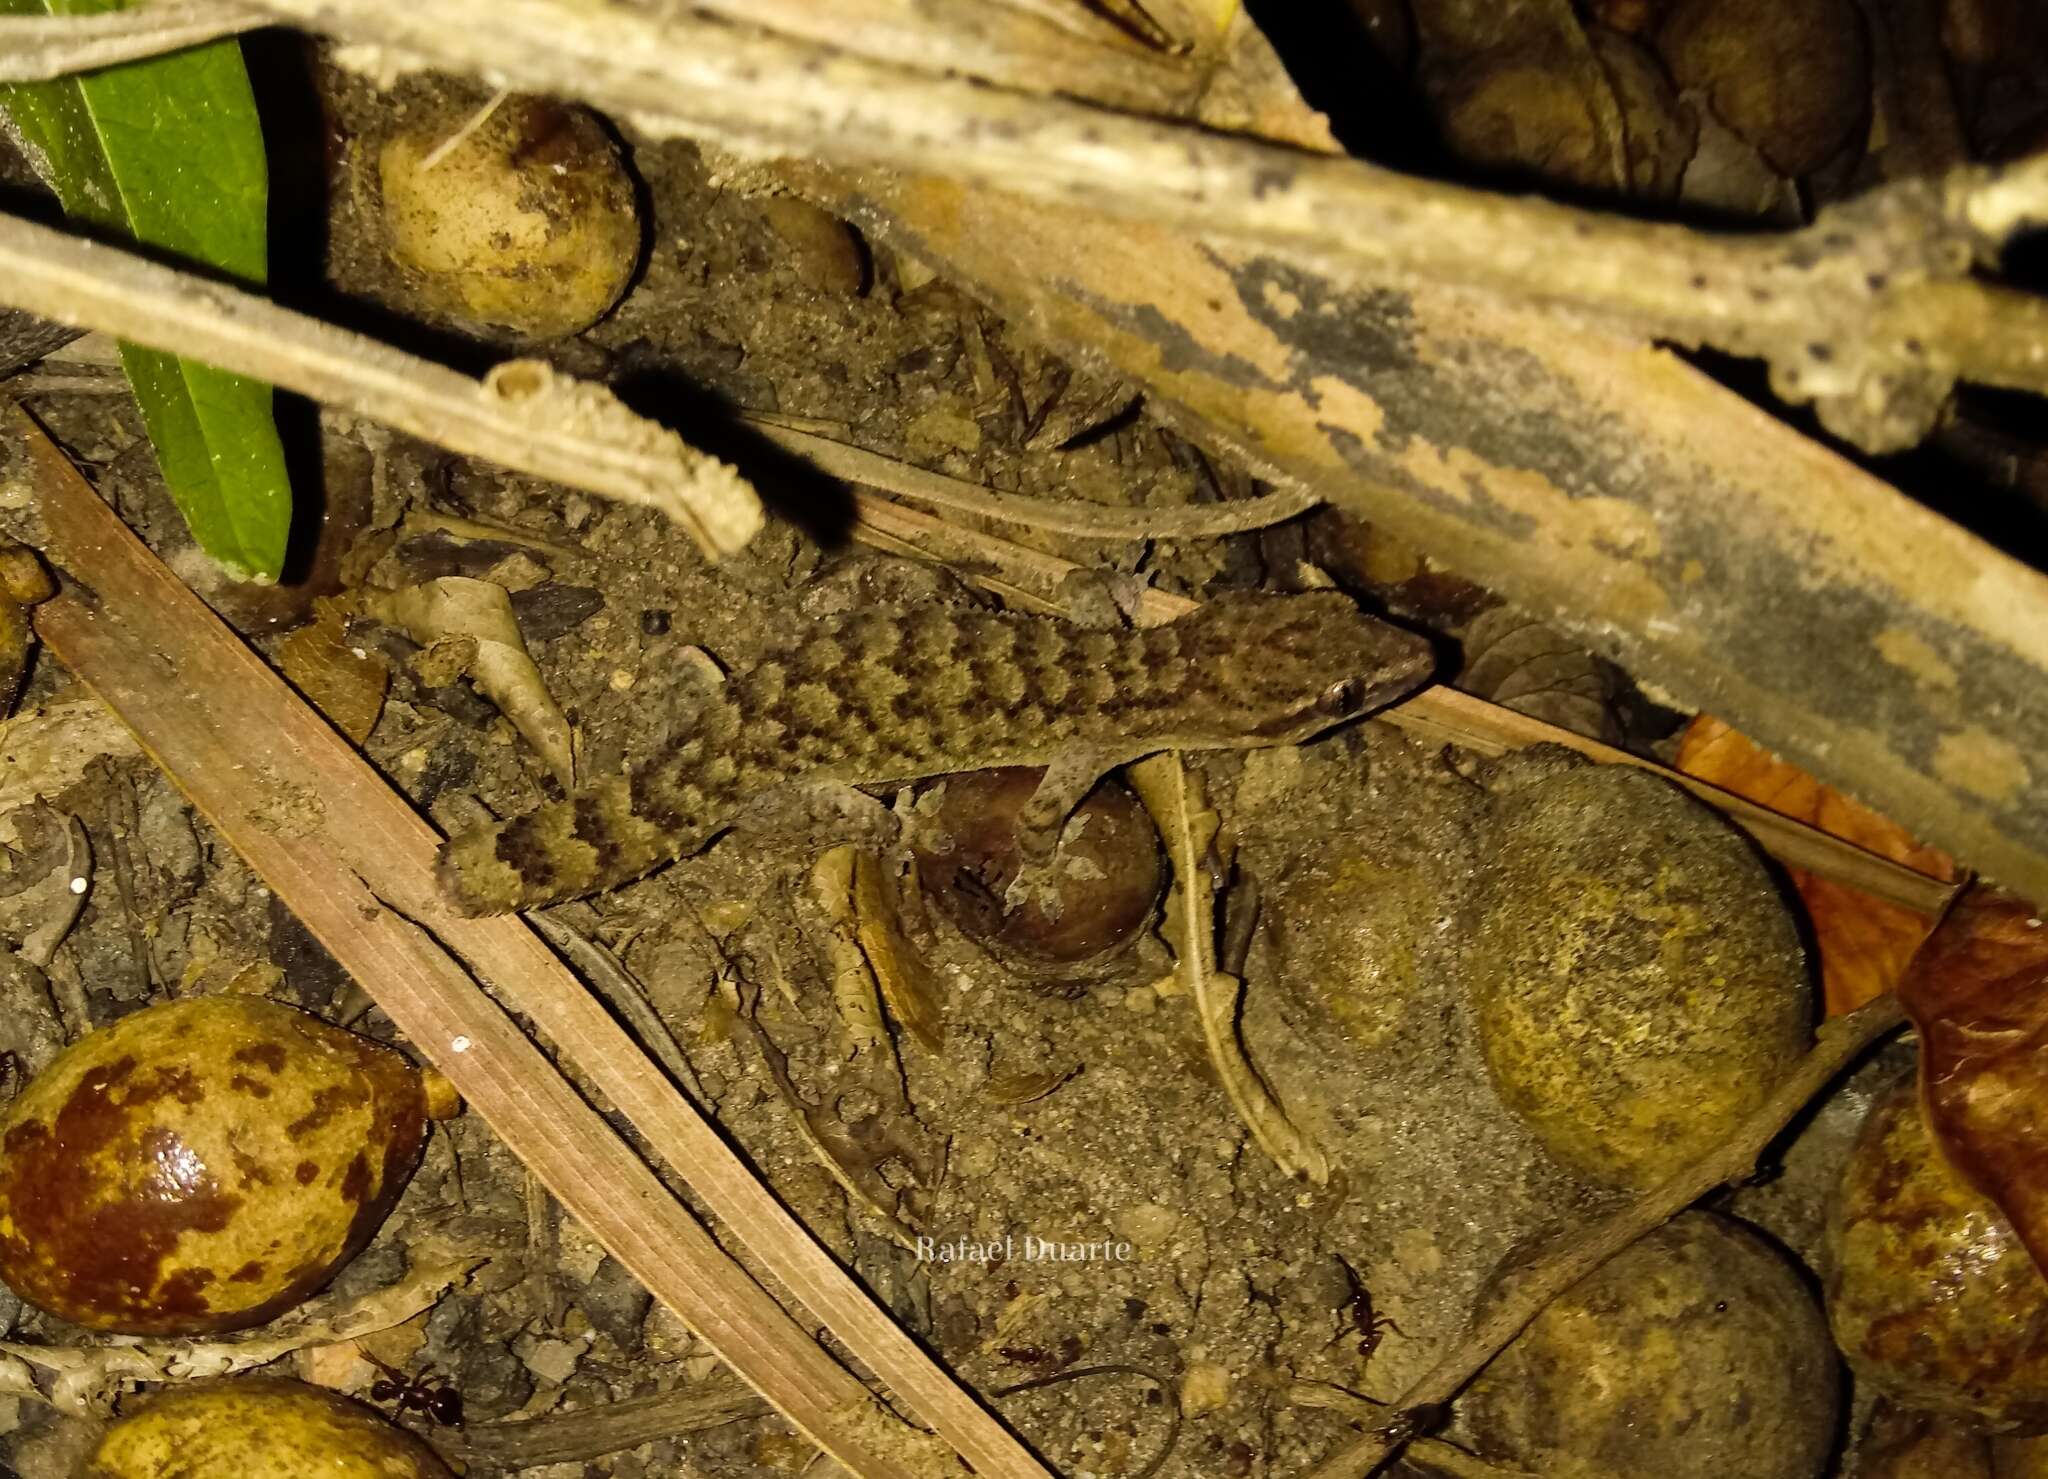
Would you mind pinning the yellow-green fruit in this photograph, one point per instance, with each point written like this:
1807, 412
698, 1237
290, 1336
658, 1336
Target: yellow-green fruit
201, 1165
1639, 983
258, 1430
1696, 1353
1932, 1295
527, 224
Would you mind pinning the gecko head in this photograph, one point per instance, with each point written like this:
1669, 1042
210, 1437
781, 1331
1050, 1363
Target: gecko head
1288, 667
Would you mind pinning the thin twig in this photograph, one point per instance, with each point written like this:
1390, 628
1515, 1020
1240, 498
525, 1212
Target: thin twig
36, 48
523, 414
1065, 48
1060, 516
1434, 1452
1117, 1368
602, 972
1857, 282
1841, 1042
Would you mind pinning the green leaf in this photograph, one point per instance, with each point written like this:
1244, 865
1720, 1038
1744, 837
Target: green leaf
169, 152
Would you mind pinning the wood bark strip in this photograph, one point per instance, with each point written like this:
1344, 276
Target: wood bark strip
350, 857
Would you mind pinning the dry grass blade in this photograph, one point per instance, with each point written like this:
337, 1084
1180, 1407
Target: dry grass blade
354, 862
592, 1432
1061, 516
523, 414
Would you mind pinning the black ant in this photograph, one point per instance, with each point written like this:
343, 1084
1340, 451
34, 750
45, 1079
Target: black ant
1369, 1327
434, 1396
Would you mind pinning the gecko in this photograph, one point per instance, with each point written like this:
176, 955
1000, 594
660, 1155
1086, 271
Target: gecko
883, 694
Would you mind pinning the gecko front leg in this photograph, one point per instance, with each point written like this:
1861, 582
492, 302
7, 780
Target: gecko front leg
1064, 786
1042, 819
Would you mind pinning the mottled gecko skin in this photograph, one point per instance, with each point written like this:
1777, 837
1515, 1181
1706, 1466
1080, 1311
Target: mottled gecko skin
889, 694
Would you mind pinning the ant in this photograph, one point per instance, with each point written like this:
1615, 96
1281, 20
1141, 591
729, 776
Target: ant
436, 1397
1369, 1327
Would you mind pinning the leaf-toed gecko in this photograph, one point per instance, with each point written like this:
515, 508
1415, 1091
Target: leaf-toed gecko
879, 695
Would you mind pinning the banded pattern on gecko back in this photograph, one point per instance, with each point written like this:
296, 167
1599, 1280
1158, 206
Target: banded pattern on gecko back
885, 694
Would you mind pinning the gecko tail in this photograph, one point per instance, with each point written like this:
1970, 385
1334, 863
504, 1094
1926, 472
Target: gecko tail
562, 850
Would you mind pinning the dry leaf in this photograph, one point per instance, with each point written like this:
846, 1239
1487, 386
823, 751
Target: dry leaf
85, 1380
902, 972
344, 682
1864, 943
853, 980
456, 607
1521, 664
1977, 992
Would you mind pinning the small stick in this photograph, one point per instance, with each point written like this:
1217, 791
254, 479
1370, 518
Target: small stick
523, 414
1841, 1041
1434, 1452
37, 48
1885, 280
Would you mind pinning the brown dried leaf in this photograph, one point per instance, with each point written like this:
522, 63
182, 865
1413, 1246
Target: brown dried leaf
854, 991
908, 986
1522, 664
1977, 992
344, 682
1864, 943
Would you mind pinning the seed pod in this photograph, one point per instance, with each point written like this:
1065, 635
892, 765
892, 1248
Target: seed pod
258, 1429
1639, 982
1696, 1353
1933, 1297
527, 223
201, 1165
1100, 894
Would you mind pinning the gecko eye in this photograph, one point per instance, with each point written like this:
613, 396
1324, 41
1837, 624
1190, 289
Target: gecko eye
1342, 698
